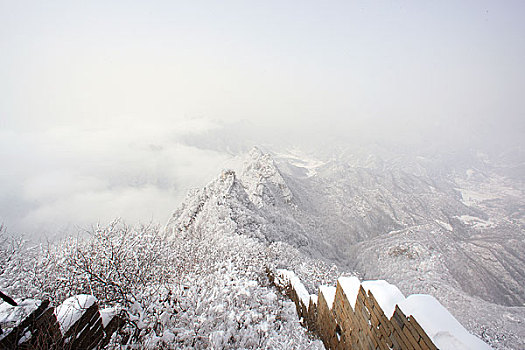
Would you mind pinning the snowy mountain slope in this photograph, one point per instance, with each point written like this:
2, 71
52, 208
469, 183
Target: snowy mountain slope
226, 205
405, 219
461, 275
358, 204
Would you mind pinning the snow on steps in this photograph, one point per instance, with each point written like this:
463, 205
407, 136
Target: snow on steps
77, 324
372, 315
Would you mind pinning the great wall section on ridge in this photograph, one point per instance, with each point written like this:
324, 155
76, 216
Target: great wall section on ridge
350, 316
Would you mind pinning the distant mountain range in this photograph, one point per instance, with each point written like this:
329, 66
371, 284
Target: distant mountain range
451, 226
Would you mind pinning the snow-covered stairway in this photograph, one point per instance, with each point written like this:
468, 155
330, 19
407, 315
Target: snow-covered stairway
373, 315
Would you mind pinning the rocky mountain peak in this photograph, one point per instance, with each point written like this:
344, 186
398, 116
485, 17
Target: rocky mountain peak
263, 181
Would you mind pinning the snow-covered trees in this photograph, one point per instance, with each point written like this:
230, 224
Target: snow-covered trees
117, 261
20, 267
206, 290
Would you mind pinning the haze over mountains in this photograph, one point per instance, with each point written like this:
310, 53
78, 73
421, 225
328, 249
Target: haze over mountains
450, 225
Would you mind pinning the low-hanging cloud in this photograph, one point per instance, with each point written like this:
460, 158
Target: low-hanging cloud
56, 179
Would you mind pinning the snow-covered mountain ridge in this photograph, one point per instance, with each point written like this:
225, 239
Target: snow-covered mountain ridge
412, 228
263, 181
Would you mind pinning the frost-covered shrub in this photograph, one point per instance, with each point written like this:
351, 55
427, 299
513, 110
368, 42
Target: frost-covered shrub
12, 268
113, 263
312, 272
189, 291
116, 262
23, 269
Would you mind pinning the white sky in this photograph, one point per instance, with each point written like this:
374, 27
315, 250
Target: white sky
96, 94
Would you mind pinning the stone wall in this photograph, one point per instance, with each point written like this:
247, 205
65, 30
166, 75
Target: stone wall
33, 324
365, 326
